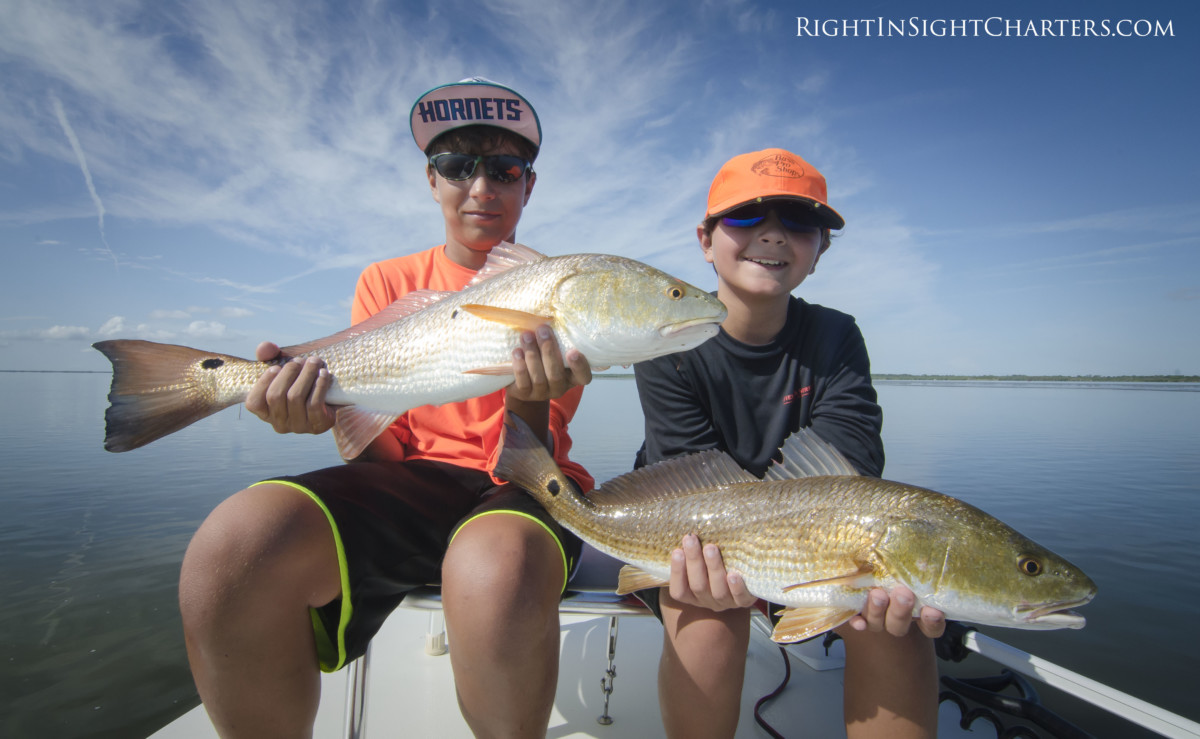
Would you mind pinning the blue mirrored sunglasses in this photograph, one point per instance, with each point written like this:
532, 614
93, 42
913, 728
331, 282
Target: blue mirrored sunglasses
795, 217
502, 168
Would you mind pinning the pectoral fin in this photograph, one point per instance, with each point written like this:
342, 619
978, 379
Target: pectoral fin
355, 428
863, 577
515, 318
798, 624
496, 369
631, 579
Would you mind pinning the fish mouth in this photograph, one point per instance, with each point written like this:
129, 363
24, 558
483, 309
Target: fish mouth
674, 329
1056, 615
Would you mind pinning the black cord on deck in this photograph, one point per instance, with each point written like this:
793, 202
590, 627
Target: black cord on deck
787, 675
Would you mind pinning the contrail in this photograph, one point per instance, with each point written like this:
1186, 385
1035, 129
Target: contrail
87, 175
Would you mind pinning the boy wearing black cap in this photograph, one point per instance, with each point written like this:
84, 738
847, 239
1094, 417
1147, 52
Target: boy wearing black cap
778, 364
299, 572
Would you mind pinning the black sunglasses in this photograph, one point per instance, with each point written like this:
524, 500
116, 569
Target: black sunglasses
502, 168
795, 217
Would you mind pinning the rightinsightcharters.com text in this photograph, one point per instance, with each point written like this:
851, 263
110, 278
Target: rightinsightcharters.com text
995, 26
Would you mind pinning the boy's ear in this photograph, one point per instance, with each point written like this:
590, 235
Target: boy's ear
705, 237
433, 184
824, 246
530, 179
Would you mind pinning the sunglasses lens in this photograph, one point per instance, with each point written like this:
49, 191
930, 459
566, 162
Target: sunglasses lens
745, 217
798, 218
505, 168
794, 217
455, 167
799, 227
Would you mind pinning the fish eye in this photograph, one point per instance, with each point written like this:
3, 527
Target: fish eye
674, 292
1029, 566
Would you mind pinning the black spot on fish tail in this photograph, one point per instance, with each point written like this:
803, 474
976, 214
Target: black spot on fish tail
212, 363
553, 487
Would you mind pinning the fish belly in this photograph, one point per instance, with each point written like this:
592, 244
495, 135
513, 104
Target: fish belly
419, 360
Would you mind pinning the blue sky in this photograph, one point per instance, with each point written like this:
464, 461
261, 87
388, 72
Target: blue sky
215, 174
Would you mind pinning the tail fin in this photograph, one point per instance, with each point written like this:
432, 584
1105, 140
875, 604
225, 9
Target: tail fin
524, 461
157, 389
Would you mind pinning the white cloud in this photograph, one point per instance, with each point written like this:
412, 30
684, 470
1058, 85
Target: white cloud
149, 333
56, 333
236, 312
169, 314
112, 327
205, 330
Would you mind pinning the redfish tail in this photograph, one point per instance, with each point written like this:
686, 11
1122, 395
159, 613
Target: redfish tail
157, 389
525, 461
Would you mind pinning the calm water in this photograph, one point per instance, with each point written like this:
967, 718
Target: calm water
90, 641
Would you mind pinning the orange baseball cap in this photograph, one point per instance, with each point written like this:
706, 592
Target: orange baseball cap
475, 101
770, 174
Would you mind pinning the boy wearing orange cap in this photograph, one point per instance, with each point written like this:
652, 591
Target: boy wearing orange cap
299, 572
777, 365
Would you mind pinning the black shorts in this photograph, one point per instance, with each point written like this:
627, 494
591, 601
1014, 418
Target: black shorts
651, 598
392, 523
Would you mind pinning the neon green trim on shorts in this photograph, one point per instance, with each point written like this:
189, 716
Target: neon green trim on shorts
561, 552
331, 652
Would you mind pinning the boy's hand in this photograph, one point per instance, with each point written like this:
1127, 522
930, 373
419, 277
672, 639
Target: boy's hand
893, 614
291, 396
538, 371
699, 578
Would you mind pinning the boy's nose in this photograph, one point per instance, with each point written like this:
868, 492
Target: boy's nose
771, 229
481, 185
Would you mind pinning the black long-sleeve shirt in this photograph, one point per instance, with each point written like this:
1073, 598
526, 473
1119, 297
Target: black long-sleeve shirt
745, 400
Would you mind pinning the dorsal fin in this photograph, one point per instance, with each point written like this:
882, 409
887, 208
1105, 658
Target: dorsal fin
503, 257
672, 478
413, 302
805, 454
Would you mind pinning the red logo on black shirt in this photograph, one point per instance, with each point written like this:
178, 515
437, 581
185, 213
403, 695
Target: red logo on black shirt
803, 392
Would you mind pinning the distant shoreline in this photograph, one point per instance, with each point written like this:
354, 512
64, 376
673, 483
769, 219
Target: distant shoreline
1043, 378
59, 372
1001, 378
920, 378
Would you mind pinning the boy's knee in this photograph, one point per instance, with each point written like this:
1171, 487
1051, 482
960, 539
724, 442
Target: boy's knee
257, 542
505, 553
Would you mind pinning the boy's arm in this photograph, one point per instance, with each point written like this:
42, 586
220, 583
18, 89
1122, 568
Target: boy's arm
846, 413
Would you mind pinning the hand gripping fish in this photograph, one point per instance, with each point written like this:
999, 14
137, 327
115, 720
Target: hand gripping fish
427, 348
813, 536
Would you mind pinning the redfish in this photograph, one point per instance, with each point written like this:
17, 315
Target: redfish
813, 536
427, 348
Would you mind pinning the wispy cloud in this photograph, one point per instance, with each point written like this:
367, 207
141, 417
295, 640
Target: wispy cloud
83, 167
55, 333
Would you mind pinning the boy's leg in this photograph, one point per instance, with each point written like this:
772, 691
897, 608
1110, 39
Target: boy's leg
502, 579
251, 572
890, 685
702, 667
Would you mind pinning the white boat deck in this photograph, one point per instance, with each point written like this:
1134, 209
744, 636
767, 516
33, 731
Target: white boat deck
411, 693
405, 691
